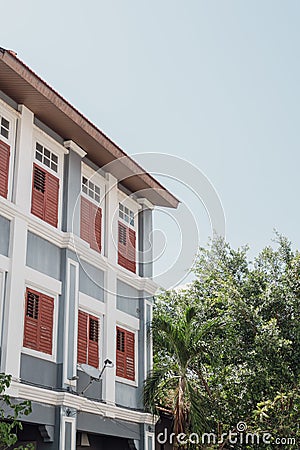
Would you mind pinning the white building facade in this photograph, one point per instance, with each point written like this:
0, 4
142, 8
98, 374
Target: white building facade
76, 283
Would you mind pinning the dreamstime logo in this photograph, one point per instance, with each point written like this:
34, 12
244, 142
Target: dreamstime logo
239, 435
183, 176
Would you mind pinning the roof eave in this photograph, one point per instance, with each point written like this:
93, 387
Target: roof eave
20, 83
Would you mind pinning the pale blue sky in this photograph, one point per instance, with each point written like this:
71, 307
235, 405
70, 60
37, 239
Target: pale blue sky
214, 82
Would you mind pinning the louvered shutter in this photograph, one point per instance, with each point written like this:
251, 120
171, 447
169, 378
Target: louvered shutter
95, 227
38, 192
4, 168
120, 353
85, 219
131, 252
82, 340
51, 199
122, 244
31, 320
126, 247
93, 342
46, 324
130, 369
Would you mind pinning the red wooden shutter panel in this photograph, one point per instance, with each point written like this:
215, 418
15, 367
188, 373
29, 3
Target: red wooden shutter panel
95, 224
85, 219
93, 343
38, 323
4, 168
126, 247
46, 324
90, 223
122, 244
31, 321
125, 358
131, 252
51, 203
82, 337
121, 357
130, 369
45, 189
38, 191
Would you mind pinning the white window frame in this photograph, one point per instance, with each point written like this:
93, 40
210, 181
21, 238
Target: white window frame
121, 324
59, 150
149, 434
132, 205
97, 179
42, 163
11, 115
30, 351
91, 306
72, 421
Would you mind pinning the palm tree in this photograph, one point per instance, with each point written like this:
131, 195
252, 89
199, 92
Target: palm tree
177, 381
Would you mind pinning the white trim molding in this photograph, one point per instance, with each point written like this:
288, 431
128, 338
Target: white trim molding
54, 398
72, 146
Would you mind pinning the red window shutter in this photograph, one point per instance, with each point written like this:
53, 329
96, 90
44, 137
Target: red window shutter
121, 356
95, 224
93, 342
38, 191
122, 244
38, 323
51, 200
4, 168
85, 219
90, 223
130, 369
126, 247
46, 324
82, 341
131, 252
31, 321
125, 354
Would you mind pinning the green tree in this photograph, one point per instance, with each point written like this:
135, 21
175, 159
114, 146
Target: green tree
251, 354
10, 413
177, 381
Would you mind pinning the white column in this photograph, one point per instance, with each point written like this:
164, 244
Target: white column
14, 301
109, 347
23, 167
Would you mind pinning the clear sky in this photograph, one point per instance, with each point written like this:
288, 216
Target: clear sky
213, 82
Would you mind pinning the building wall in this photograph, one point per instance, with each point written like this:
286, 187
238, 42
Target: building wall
58, 263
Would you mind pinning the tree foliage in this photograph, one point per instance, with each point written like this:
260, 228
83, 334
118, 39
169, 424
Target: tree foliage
10, 413
239, 353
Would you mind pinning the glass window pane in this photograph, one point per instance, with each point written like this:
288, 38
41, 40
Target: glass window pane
4, 132
38, 156
47, 162
54, 167
47, 153
97, 198
84, 189
39, 147
54, 158
5, 123
97, 189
